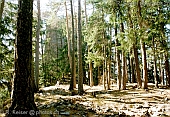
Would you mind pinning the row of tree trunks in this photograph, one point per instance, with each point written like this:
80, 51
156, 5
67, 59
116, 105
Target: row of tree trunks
135, 53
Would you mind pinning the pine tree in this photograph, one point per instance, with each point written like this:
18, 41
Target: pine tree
23, 95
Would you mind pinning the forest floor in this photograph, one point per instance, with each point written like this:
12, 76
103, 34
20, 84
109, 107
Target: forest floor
57, 101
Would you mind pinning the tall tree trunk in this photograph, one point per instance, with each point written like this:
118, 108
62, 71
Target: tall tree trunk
167, 70
68, 36
79, 47
109, 61
23, 95
143, 49
73, 80
123, 59
161, 71
132, 70
155, 61
135, 52
103, 77
139, 81
123, 71
91, 74
118, 61
90, 64
37, 48
2, 2
104, 67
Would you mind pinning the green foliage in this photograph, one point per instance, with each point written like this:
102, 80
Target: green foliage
7, 37
4, 95
96, 38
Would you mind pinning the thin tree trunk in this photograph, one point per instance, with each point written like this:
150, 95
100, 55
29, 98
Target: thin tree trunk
68, 36
90, 64
155, 66
104, 68
161, 76
123, 71
126, 71
145, 73
132, 70
167, 70
104, 82
2, 2
109, 61
79, 47
91, 74
73, 56
123, 60
37, 48
139, 81
98, 74
118, 61
143, 49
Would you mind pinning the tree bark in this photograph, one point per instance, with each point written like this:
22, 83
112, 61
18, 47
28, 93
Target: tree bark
155, 61
79, 47
118, 61
73, 80
139, 81
132, 70
23, 95
37, 48
143, 49
68, 36
161, 71
104, 67
123, 71
167, 71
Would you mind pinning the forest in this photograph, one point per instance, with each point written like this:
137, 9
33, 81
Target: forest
84, 58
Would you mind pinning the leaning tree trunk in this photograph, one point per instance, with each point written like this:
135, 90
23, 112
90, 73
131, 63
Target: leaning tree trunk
23, 95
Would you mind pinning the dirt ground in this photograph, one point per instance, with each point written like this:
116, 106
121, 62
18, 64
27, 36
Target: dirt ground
57, 101
96, 102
